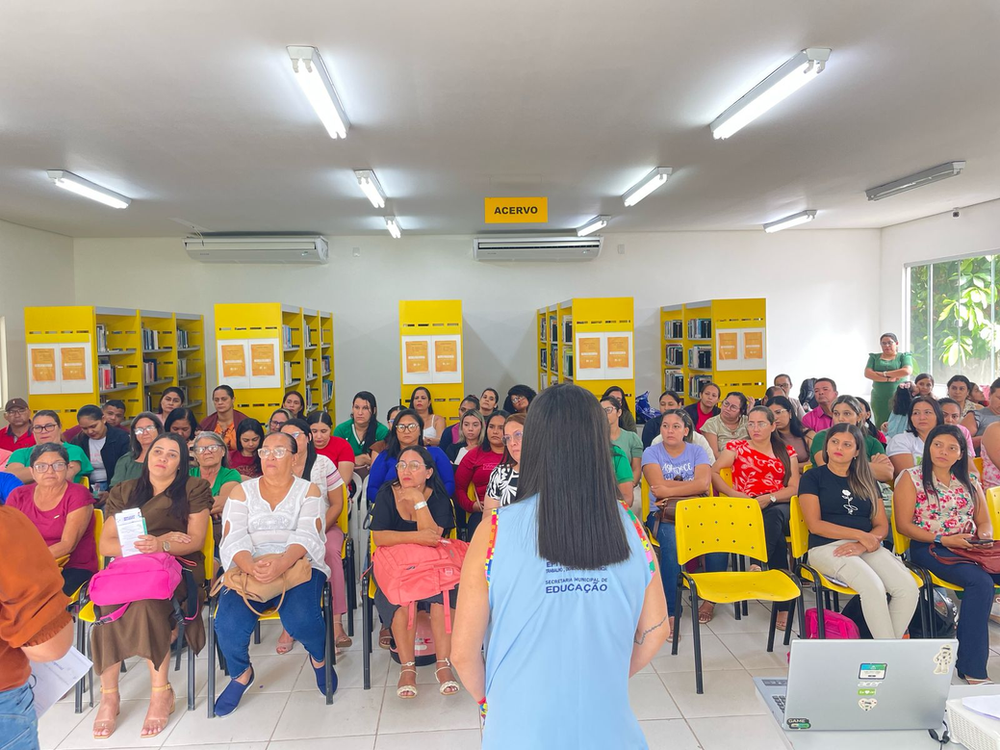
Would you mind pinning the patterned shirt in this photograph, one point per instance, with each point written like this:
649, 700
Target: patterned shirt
503, 484
951, 509
756, 473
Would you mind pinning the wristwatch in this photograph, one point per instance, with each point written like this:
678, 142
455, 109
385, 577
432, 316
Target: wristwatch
166, 545
938, 538
773, 499
421, 504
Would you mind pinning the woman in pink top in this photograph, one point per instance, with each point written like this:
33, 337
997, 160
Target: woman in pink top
475, 469
990, 454
63, 512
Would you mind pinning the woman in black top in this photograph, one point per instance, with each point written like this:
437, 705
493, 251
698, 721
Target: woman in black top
843, 508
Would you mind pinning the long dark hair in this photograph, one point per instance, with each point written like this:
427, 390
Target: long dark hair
579, 522
181, 414
302, 400
624, 401
900, 401
392, 443
869, 424
311, 454
435, 482
251, 425
924, 400
959, 469
133, 441
744, 402
369, 439
142, 490
430, 400
518, 390
778, 446
496, 398
171, 389
508, 460
795, 425
859, 474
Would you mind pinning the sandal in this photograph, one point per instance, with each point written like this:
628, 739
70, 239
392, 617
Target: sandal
385, 638
151, 729
706, 612
408, 691
781, 622
285, 643
344, 641
108, 725
448, 687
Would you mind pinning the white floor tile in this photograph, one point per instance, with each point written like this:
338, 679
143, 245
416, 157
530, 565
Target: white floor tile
350, 671
306, 715
342, 743
274, 674
460, 739
57, 723
756, 620
429, 711
744, 732
673, 734
729, 693
751, 650
253, 721
127, 732
649, 698
714, 655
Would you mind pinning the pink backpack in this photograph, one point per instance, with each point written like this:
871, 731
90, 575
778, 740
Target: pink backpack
836, 625
133, 579
408, 573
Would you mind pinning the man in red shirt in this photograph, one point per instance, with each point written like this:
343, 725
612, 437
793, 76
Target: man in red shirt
17, 433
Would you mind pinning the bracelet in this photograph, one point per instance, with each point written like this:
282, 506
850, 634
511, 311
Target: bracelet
482, 708
421, 504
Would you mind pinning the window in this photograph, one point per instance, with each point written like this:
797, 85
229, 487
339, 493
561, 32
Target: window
953, 320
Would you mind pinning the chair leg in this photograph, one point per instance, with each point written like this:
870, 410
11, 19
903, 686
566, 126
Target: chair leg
820, 611
696, 629
743, 569
772, 627
190, 679
331, 645
211, 645
90, 674
678, 611
256, 634
836, 601
180, 644
366, 634
78, 689
789, 623
802, 614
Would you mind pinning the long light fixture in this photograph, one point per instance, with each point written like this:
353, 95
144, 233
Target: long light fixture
786, 80
598, 222
647, 185
314, 79
76, 184
370, 187
392, 224
934, 174
803, 217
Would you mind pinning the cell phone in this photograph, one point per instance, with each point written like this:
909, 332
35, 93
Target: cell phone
981, 541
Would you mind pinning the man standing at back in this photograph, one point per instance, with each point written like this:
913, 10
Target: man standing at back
821, 418
784, 382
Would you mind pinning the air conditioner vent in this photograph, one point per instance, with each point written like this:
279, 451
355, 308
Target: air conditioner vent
535, 248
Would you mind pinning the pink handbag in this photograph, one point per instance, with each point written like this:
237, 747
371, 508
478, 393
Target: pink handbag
835, 624
408, 573
133, 579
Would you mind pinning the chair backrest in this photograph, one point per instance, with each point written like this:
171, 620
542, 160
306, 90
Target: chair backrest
342, 519
98, 528
798, 529
806, 466
644, 489
727, 475
208, 550
978, 461
900, 542
719, 524
993, 503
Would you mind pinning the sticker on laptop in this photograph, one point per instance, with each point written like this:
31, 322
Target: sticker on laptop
943, 659
866, 691
798, 723
872, 671
867, 704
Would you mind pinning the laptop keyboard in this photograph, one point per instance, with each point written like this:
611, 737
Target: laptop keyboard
780, 701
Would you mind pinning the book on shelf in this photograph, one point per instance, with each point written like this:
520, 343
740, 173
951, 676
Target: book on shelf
149, 370
182, 367
700, 328
567, 330
150, 339
184, 390
674, 355
326, 364
327, 390
673, 329
568, 363
554, 358
700, 357
673, 380
542, 326
149, 403
286, 337
183, 339
553, 329
309, 368
102, 338
106, 376
288, 372
544, 358
695, 382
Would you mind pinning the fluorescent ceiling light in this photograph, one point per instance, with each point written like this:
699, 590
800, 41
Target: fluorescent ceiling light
86, 188
783, 82
647, 185
392, 224
934, 174
315, 81
803, 217
598, 222
370, 187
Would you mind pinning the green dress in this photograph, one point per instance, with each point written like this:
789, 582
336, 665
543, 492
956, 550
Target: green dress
882, 391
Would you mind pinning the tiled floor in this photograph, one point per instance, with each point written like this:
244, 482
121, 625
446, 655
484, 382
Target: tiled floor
284, 711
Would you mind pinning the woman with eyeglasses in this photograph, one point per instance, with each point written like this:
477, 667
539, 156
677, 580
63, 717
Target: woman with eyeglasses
626, 421
277, 420
407, 431
144, 430
213, 467
729, 424
249, 436
847, 410
519, 398
226, 417
886, 369
502, 489
414, 508
278, 513
475, 471
47, 428
62, 512
790, 428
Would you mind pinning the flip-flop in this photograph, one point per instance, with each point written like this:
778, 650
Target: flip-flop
284, 647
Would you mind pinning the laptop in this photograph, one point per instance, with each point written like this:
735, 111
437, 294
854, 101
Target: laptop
862, 684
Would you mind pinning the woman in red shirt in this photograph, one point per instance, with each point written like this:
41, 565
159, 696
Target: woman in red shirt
766, 469
338, 450
475, 469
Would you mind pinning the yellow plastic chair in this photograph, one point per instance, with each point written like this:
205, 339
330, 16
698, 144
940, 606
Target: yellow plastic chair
820, 583
732, 525
978, 461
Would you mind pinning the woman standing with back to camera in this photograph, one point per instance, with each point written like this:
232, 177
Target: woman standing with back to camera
563, 587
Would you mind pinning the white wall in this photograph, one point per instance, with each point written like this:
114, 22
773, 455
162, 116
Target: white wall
808, 334
975, 232
36, 268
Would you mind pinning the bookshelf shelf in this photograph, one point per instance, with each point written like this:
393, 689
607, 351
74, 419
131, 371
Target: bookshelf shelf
193, 376
119, 388
161, 381
117, 353
156, 351
188, 349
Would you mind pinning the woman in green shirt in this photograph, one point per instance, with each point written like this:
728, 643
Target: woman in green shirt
847, 410
363, 431
627, 440
144, 430
885, 370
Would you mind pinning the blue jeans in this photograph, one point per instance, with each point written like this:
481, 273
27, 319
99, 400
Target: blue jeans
300, 615
715, 562
974, 618
18, 723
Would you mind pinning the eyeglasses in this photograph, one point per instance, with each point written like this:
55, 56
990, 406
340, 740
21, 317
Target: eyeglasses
16, 411
208, 448
276, 452
608, 409
144, 430
779, 411
411, 465
515, 438
295, 435
44, 468
518, 398
407, 427
45, 427
276, 422
733, 407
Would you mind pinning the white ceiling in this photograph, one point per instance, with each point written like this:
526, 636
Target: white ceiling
190, 108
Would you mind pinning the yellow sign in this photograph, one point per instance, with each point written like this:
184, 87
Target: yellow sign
618, 351
445, 356
590, 352
262, 360
74, 363
727, 346
517, 210
753, 345
43, 365
234, 361
416, 357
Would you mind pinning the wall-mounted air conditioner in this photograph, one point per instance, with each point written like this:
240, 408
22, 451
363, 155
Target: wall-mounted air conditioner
310, 249
535, 248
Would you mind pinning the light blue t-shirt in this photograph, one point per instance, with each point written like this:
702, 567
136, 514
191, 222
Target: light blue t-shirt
672, 467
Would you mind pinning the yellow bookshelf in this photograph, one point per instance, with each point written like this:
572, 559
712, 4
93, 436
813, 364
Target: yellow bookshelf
722, 340
191, 366
430, 342
82, 354
327, 390
587, 341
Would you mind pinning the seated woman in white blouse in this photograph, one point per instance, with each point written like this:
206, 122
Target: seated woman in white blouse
277, 513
